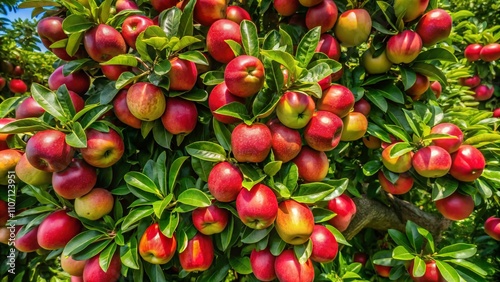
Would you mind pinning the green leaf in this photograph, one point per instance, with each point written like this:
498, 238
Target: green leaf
399, 238
482, 138
235, 47
308, 88
42, 196
401, 253
186, 22
226, 234
222, 134
48, 100
122, 60
129, 254
443, 187
207, 151
160, 206
134, 216
234, 109
430, 71
213, 77
76, 23
249, 38
372, 167
94, 114
282, 58
414, 236
24, 125
440, 54
303, 252
196, 57
272, 168
322, 215
194, 197
106, 256
170, 20
174, 170
241, 265
468, 265
458, 251
168, 224
265, 101
311, 193
377, 98
161, 135
92, 250
141, 181
77, 138
9, 104
408, 77
307, 46
74, 41
418, 267
276, 245
338, 235
256, 235
447, 271
81, 241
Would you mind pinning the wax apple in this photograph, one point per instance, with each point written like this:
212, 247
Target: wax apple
375, 65
210, 220
237, 14
467, 163
398, 164
146, 101
434, 26
295, 109
72, 266
31, 175
490, 52
198, 255
207, 12
103, 149
286, 7
225, 182
220, 96
182, 75
258, 207
324, 245
122, 112
457, 206
244, 76
288, 268
262, 263
251, 143
57, 229
431, 161
324, 131
103, 42
155, 247
94, 205
324, 15
402, 185
47, 150
133, 26
404, 47
449, 144
329, 46
294, 222
93, 271
78, 82
411, 9
17, 86
180, 116
473, 52
345, 209
355, 126
75, 181
353, 27
312, 165
286, 142
337, 99
420, 86
28, 242
8, 161
220, 31
492, 227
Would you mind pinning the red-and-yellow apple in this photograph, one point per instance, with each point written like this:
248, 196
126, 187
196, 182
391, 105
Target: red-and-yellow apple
382, 270
28, 174
467, 163
47, 150
312, 165
71, 266
237, 14
207, 12
122, 112
375, 65
355, 126
146, 101
94, 205
198, 255
345, 209
257, 207
402, 185
410, 9
289, 269
449, 144
295, 109
8, 161
210, 220
403, 47
57, 229
337, 99
353, 27
286, 142
457, 206
324, 131
431, 273
431, 161
161, 5
286, 8
74, 181
294, 222
418, 88
103, 149
155, 247
397, 164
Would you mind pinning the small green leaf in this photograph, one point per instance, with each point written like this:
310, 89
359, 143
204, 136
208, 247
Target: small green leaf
81, 241
447, 271
249, 38
141, 181
307, 46
401, 253
134, 216
241, 265
106, 256
303, 252
194, 197
207, 151
168, 224
122, 60
458, 251
77, 138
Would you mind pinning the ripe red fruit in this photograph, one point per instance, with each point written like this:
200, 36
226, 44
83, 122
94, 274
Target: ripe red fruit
146, 101
3, 82
122, 5
324, 131
372, 142
382, 270
483, 92
294, 222
355, 126
431, 274
57, 229
237, 14
262, 263
161, 5
93, 271
403, 184
375, 65
360, 257
312, 165
225, 182
449, 144
434, 26
18, 71
457, 206
353, 27
325, 246
288, 268
490, 52
220, 96
492, 227
133, 26
295, 109
155, 247
47, 150
337, 99
103, 42
251, 143
71, 266
28, 242
180, 116
113, 72
411, 9
207, 12
329, 46
104, 149
9, 159
220, 31
29, 108
258, 207
122, 112
345, 208
210, 220
467, 163
182, 75
436, 88
473, 52
419, 87
286, 142
362, 106
398, 164
17, 86
78, 81
496, 112
198, 255
404, 47
471, 82
431, 161
324, 15
75, 181
50, 31
244, 76
286, 7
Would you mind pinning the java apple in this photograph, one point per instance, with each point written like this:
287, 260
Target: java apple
8, 160
180, 116
93, 271
289, 269
345, 209
286, 142
75, 181
133, 26
146, 101
403, 47
329, 46
492, 227
286, 7
57, 229
182, 75
483, 92
103, 149
17, 86
295, 109
28, 242
155, 247
244, 76
420, 86
323, 15
467, 163
103, 42
207, 12
353, 27
410, 9
78, 81
434, 27
210, 220
294, 222
324, 131
431, 161
471, 81
258, 207
375, 65
337, 99
397, 164
122, 112
436, 88
457, 206
220, 96
220, 31
251, 143
355, 126
47, 150
262, 263
312, 165
490, 52
431, 273
449, 144
31, 175
324, 245
94, 205
72, 266
237, 14
225, 182
402, 185
473, 52
198, 255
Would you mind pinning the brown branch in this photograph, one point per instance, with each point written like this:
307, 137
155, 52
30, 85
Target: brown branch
372, 213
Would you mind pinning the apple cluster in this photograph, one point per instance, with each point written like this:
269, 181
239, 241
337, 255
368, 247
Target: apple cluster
16, 85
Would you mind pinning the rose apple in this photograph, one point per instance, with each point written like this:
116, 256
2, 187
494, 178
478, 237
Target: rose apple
146, 101
312, 165
8, 160
375, 65
449, 144
262, 263
220, 31
286, 142
355, 126
258, 207
329, 46
337, 99
467, 163
72, 266
78, 82
289, 269
113, 72
362, 106
122, 112
286, 8
418, 88
244, 76
180, 116
295, 109
237, 14
360, 257
17, 86
410, 9
345, 209
103, 149
47, 150
155, 247
431, 161
93, 271
122, 5
251, 143
434, 26
133, 26
471, 81
161, 5
28, 242
75, 181
431, 273
436, 88
457, 206
94, 205
210, 220
294, 222
398, 164
220, 96
324, 131
104, 42
323, 15
483, 92
353, 27
225, 182
372, 142
382, 270
402, 185
207, 12
198, 255
492, 227
473, 52
490, 52
31, 175
182, 75
324, 245
403, 47
57, 229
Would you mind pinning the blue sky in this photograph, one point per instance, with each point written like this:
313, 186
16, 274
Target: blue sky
23, 14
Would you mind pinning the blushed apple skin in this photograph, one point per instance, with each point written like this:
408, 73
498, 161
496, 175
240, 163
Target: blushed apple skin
47, 150
473, 52
57, 229
295, 109
156, 248
492, 227
420, 86
262, 263
382, 270
225, 182
471, 81
198, 255
258, 207
294, 222
456, 207
468, 163
412, 8
490, 52
75, 181
449, 144
432, 161
251, 143
323, 15
94, 205
345, 208
133, 26
312, 165
221, 96
104, 149
78, 82
403, 184
286, 8
27, 243
437, 89
337, 99
355, 126
146, 101
329, 46
103, 42
219, 31
17, 86
324, 131
434, 26
325, 246
93, 272
182, 75
431, 274
397, 164
9, 159
210, 220
353, 27
404, 47
207, 12
289, 269
31, 175
237, 14
71, 266
244, 76
180, 116
375, 65
122, 112
286, 142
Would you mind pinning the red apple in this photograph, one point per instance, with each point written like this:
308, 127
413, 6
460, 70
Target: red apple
398, 164
225, 182
434, 26
258, 207
457, 206
4, 212
471, 81
325, 83
360, 257
411, 9
78, 81
210, 220
3, 82
345, 209
353, 27
382, 270
295, 109
122, 112
133, 26
93, 271
122, 5
155, 247
220, 31
103, 42
47, 150
294, 222
262, 263
103, 149
71, 266
336, 76
324, 245
490, 52
403, 47
251, 143
286, 142
17, 86
113, 72
449, 144
289, 269
432, 161
198, 255
180, 116
402, 185
431, 273
483, 92
362, 106
337, 99
244, 76
146, 101
50, 31
220, 96
18, 71
496, 112
161, 5
3, 122
75, 181
324, 131
286, 7
57, 229
207, 12
237, 14
182, 75
312, 165
436, 88
473, 52
492, 227
329, 46
420, 86
324, 15
467, 163
28, 242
